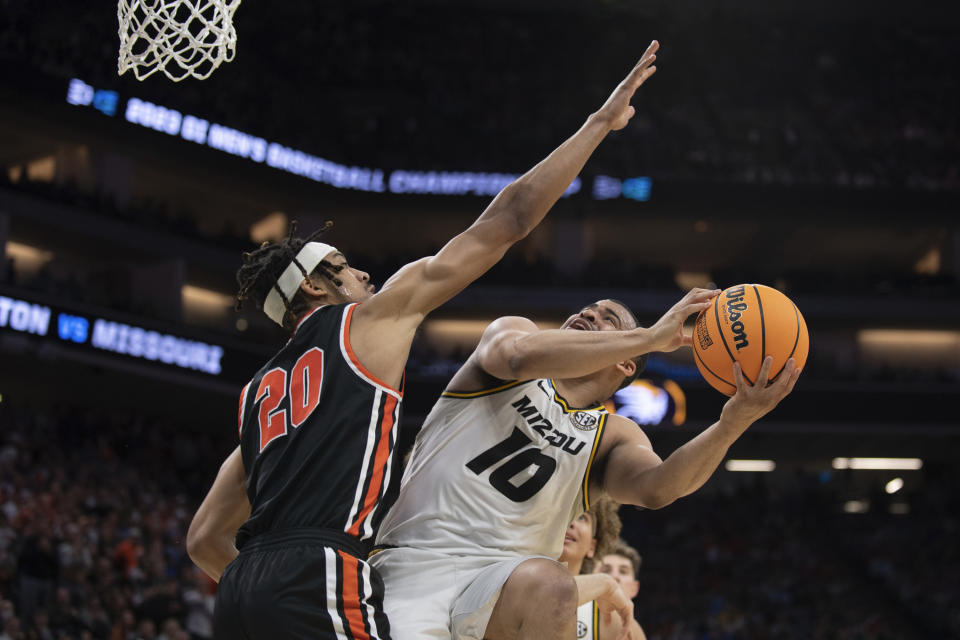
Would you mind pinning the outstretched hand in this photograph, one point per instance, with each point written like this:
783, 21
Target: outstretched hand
617, 110
668, 334
752, 402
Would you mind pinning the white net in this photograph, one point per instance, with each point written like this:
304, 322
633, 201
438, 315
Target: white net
182, 38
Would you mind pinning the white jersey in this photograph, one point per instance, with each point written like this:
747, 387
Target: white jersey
588, 621
497, 473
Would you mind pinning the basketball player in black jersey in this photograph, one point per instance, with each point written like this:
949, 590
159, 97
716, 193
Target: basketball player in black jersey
317, 423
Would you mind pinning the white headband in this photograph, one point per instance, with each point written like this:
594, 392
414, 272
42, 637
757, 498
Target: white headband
289, 281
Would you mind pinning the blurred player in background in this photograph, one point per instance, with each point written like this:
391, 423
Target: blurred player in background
622, 562
318, 422
605, 610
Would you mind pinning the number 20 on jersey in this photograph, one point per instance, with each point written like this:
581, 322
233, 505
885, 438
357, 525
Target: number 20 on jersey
305, 382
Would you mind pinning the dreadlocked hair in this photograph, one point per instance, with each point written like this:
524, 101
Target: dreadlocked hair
607, 526
262, 268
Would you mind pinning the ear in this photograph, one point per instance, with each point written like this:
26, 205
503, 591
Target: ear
593, 548
633, 589
314, 289
627, 368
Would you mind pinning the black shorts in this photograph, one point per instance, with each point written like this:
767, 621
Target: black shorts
300, 584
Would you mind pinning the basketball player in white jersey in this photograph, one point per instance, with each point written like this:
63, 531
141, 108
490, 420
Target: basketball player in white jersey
515, 449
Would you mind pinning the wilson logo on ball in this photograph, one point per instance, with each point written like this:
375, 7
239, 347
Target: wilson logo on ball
735, 308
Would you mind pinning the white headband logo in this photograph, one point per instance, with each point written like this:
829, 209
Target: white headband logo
275, 306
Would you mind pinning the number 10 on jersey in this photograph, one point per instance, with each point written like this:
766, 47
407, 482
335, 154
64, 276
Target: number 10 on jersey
502, 476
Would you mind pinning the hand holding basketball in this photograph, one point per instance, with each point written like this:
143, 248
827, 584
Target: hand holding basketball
617, 110
753, 401
668, 332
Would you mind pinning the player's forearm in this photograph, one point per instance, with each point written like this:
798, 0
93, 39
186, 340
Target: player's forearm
566, 353
524, 203
593, 586
690, 466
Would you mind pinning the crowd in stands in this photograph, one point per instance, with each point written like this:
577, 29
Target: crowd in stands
94, 506
795, 97
790, 564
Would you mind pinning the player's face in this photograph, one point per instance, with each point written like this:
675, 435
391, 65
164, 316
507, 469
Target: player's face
356, 285
622, 571
603, 315
578, 543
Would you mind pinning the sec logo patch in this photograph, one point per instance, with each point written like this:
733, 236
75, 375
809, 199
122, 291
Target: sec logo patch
583, 420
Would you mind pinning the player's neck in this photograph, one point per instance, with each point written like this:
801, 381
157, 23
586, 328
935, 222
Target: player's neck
574, 566
583, 393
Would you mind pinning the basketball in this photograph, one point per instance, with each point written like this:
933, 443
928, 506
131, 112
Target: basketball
746, 323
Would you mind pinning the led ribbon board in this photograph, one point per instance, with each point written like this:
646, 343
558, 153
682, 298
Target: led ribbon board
109, 335
256, 149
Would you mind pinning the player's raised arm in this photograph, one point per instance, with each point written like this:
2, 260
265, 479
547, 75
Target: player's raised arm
424, 285
634, 474
514, 348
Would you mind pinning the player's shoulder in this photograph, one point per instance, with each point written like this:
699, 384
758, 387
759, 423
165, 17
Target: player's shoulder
407, 275
623, 430
320, 317
505, 324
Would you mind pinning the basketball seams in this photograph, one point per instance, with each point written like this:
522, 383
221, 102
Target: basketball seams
763, 329
702, 364
696, 352
796, 341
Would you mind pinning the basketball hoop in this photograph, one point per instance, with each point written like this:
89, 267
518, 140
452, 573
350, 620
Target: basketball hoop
182, 38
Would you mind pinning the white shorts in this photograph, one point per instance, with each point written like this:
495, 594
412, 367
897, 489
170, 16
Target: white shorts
435, 595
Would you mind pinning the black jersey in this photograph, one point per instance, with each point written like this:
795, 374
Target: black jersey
317, 432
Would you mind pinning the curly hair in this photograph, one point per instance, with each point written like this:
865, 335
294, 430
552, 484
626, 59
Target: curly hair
606, 529
262, 268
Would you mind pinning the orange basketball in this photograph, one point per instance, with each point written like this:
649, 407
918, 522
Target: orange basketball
746, 323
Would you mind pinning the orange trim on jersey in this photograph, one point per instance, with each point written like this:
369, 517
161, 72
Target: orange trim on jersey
352, 602
243, 401
309, 313
356, 361
380, 459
